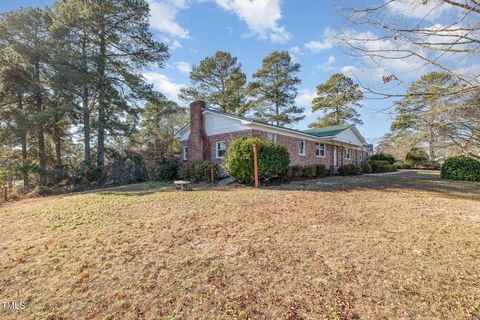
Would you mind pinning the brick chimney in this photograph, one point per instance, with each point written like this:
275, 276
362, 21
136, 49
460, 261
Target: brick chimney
197, 141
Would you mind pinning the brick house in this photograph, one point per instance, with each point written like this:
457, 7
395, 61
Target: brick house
209, 133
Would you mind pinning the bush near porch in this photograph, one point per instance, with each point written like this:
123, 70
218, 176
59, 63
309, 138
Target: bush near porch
273, 159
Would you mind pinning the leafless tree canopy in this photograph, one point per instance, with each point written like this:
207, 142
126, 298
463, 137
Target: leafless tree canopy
401, 37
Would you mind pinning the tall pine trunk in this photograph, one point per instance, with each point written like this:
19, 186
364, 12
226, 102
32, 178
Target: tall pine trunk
101, 99
86, 126
57, 137
86, 109
42, 160
23, 138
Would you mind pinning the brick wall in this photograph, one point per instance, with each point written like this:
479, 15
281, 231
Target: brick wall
290, 143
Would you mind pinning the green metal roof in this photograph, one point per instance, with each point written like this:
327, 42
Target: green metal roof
328, 131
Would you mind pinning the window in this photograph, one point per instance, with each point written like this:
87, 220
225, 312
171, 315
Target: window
320, 150
347, 153
185, 153
361, 156
301, 147
220, 148
272, 137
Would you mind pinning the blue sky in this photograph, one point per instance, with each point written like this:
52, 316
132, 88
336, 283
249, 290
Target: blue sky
250, 30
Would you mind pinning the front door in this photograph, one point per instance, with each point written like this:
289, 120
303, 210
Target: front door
335, 160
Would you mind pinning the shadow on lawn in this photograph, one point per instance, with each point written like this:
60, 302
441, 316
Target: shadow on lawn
148, 188
404, 180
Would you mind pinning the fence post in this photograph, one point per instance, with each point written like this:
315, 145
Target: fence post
255, 164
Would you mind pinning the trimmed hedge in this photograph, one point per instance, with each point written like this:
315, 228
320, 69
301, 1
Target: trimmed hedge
461, 168
405, 165
367, 168
381, 166
273, 159
382, 157
348, 170
312, 171
198, 171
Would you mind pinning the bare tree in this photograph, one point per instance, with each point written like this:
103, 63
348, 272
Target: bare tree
410, 32
460, 125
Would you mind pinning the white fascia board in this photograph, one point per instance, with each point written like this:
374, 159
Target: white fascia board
282, 131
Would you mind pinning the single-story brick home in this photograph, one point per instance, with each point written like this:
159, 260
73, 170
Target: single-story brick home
209, 133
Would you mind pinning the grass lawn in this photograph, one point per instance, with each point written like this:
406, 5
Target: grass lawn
398, 246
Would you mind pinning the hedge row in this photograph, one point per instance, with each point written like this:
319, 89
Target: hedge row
312, 171
199, 171
381, 166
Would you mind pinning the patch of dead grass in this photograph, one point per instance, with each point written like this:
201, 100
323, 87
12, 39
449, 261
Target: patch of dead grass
371, 247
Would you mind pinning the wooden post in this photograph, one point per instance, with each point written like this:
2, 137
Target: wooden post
212, 174
255, 165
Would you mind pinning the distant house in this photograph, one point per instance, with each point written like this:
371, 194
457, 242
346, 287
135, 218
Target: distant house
210, 132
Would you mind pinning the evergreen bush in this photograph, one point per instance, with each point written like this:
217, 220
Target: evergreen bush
273, 159
461, 168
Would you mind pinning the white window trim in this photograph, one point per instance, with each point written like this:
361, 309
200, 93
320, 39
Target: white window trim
274, 137
185, 151
347, 155
304, 148
217, 144
318, 144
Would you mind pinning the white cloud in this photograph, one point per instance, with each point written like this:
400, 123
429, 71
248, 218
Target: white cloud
304, 99
328, 65
328, 42
388, 55
163, 17
420, 9
183, 67
295, 52
163, 84
261, 17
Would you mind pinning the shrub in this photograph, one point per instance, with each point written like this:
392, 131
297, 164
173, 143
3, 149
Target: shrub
416, 155
382, 157
310, 171
367, 168
330, 171
125, 170
461, 168
198, 171
430, 165
273, 159
164, 171
348, 170
321, 170
405, 165
87, 172
381, 166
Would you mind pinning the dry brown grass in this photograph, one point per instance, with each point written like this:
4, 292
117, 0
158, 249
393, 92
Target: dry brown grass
373, 247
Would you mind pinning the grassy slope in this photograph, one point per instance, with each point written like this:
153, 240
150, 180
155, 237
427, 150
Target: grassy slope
400, 246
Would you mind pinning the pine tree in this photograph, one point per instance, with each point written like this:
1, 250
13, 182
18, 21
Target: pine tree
338, 98
121, 44
25, 35
420, 113
220, 82
275, 89
159, 122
